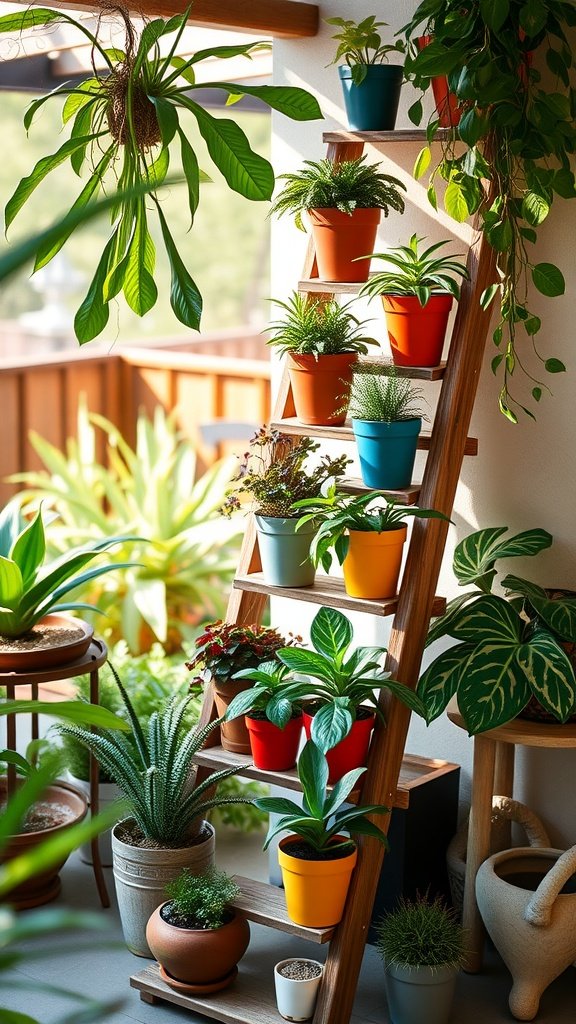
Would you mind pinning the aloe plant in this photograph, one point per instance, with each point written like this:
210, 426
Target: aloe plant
509, 649
30, 589
125, 123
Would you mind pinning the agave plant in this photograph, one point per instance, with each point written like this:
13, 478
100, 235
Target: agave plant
30, 589
188, 559
126, 121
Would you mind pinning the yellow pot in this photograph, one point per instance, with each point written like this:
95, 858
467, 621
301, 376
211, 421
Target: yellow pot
315, 890
372, 565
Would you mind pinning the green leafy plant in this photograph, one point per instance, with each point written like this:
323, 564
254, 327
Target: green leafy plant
185, 565
267, 695
338, 513
273, 472
31, 586
421, 932
125, 122
360, 44
200, 901
321, 817
415, 273
338, 680
509, 650
313, 327
379, 393
345, 186
152, 768
511, 67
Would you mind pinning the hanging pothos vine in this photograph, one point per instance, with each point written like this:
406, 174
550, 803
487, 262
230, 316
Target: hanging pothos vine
510, 64
125, 122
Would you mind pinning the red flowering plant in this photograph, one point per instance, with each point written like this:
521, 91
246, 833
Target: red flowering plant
224, 649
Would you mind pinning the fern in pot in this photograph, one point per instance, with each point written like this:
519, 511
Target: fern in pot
343, 201
386, 415
322, 341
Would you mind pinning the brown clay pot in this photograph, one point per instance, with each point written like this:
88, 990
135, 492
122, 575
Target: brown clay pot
233, 735
319, 386
29, 659
198, 956
339, 238
44, 885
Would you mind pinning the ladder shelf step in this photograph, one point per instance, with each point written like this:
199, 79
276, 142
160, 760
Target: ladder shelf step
292, 425
407, 135
354, 485
265, 904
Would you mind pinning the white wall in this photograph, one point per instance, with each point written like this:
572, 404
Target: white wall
524, 476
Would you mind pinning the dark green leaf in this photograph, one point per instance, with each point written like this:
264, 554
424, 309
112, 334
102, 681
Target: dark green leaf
535, 208
548, 279
549, 674
488, 295
494, 689
554, 366
536, 394
139, 288
489, 617
331, 633
92, 316
532, 325
415, 112
494, 13
533, 17
472, 126
185, 298
192, 172
245, 171
441, 680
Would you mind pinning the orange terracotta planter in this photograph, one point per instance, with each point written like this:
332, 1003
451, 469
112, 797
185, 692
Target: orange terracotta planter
339, 238
315, 890
372, 565
234, 735
320, 386
447, 105
417, 332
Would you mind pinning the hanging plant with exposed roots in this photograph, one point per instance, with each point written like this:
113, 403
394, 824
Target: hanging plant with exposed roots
125, 121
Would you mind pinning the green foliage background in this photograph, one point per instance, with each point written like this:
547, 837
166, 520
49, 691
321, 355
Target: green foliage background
226, 251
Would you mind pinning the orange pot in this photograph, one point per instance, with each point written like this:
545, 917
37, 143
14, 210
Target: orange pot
417, 332
372, 565
234, 735
315, 890
339, 238
319, 386
447, 105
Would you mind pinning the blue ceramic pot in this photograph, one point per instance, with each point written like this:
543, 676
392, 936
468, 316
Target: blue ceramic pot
387, 451
285, 553
372, 106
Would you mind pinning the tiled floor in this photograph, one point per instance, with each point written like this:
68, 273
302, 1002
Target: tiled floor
99, 965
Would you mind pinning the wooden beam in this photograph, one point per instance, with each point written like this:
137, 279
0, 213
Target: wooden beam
282, 19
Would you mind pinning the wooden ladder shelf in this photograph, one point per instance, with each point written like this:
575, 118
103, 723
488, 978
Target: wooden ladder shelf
446, 445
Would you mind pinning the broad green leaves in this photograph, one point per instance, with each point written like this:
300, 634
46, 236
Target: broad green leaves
245, 171
331, 633
476, 555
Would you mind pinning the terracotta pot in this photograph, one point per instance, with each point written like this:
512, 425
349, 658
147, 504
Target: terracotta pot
352, 751
339, 238
319, 386
198, 956
416, 332
447, 105
45, 656
233, 735
44, 885
315, 890
274, 749
372, 565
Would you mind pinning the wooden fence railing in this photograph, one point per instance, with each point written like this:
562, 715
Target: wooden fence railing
42, 394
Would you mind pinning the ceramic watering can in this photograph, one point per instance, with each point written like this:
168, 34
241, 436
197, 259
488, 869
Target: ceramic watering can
527, 899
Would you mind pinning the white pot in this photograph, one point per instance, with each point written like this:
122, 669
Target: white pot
141, 874
420, 993
296, 998
108, 793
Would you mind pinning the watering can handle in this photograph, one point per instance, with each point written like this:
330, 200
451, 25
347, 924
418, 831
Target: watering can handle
539, 909
511, 810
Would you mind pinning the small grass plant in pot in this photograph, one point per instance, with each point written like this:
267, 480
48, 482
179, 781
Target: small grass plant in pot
512, 650
417, 295
317, 860
222, 651
297, 982
322, 341
340, 683
166, 828
422, 946
367, 533
344, 202
275, 474
273, 721
386, 414
371, 85
198, 936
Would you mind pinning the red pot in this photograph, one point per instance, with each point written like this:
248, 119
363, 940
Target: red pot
447, 106
274, 749
319, 386
352, 751
339, 238
417, 332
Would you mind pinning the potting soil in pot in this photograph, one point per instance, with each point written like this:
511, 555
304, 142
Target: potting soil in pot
44, 814
300, 970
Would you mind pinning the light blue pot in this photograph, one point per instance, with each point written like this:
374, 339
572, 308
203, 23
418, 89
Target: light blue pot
285, 554
387, 452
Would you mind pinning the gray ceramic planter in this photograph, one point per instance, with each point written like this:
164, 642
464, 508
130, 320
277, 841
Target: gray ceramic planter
285, 553
420, 993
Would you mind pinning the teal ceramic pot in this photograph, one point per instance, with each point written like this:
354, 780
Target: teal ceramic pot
387, 451
285, 553
372, 106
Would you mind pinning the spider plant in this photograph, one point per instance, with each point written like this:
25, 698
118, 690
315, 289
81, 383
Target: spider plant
415, 272
125, 122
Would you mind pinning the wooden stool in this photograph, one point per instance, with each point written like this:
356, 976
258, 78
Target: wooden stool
493, 773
